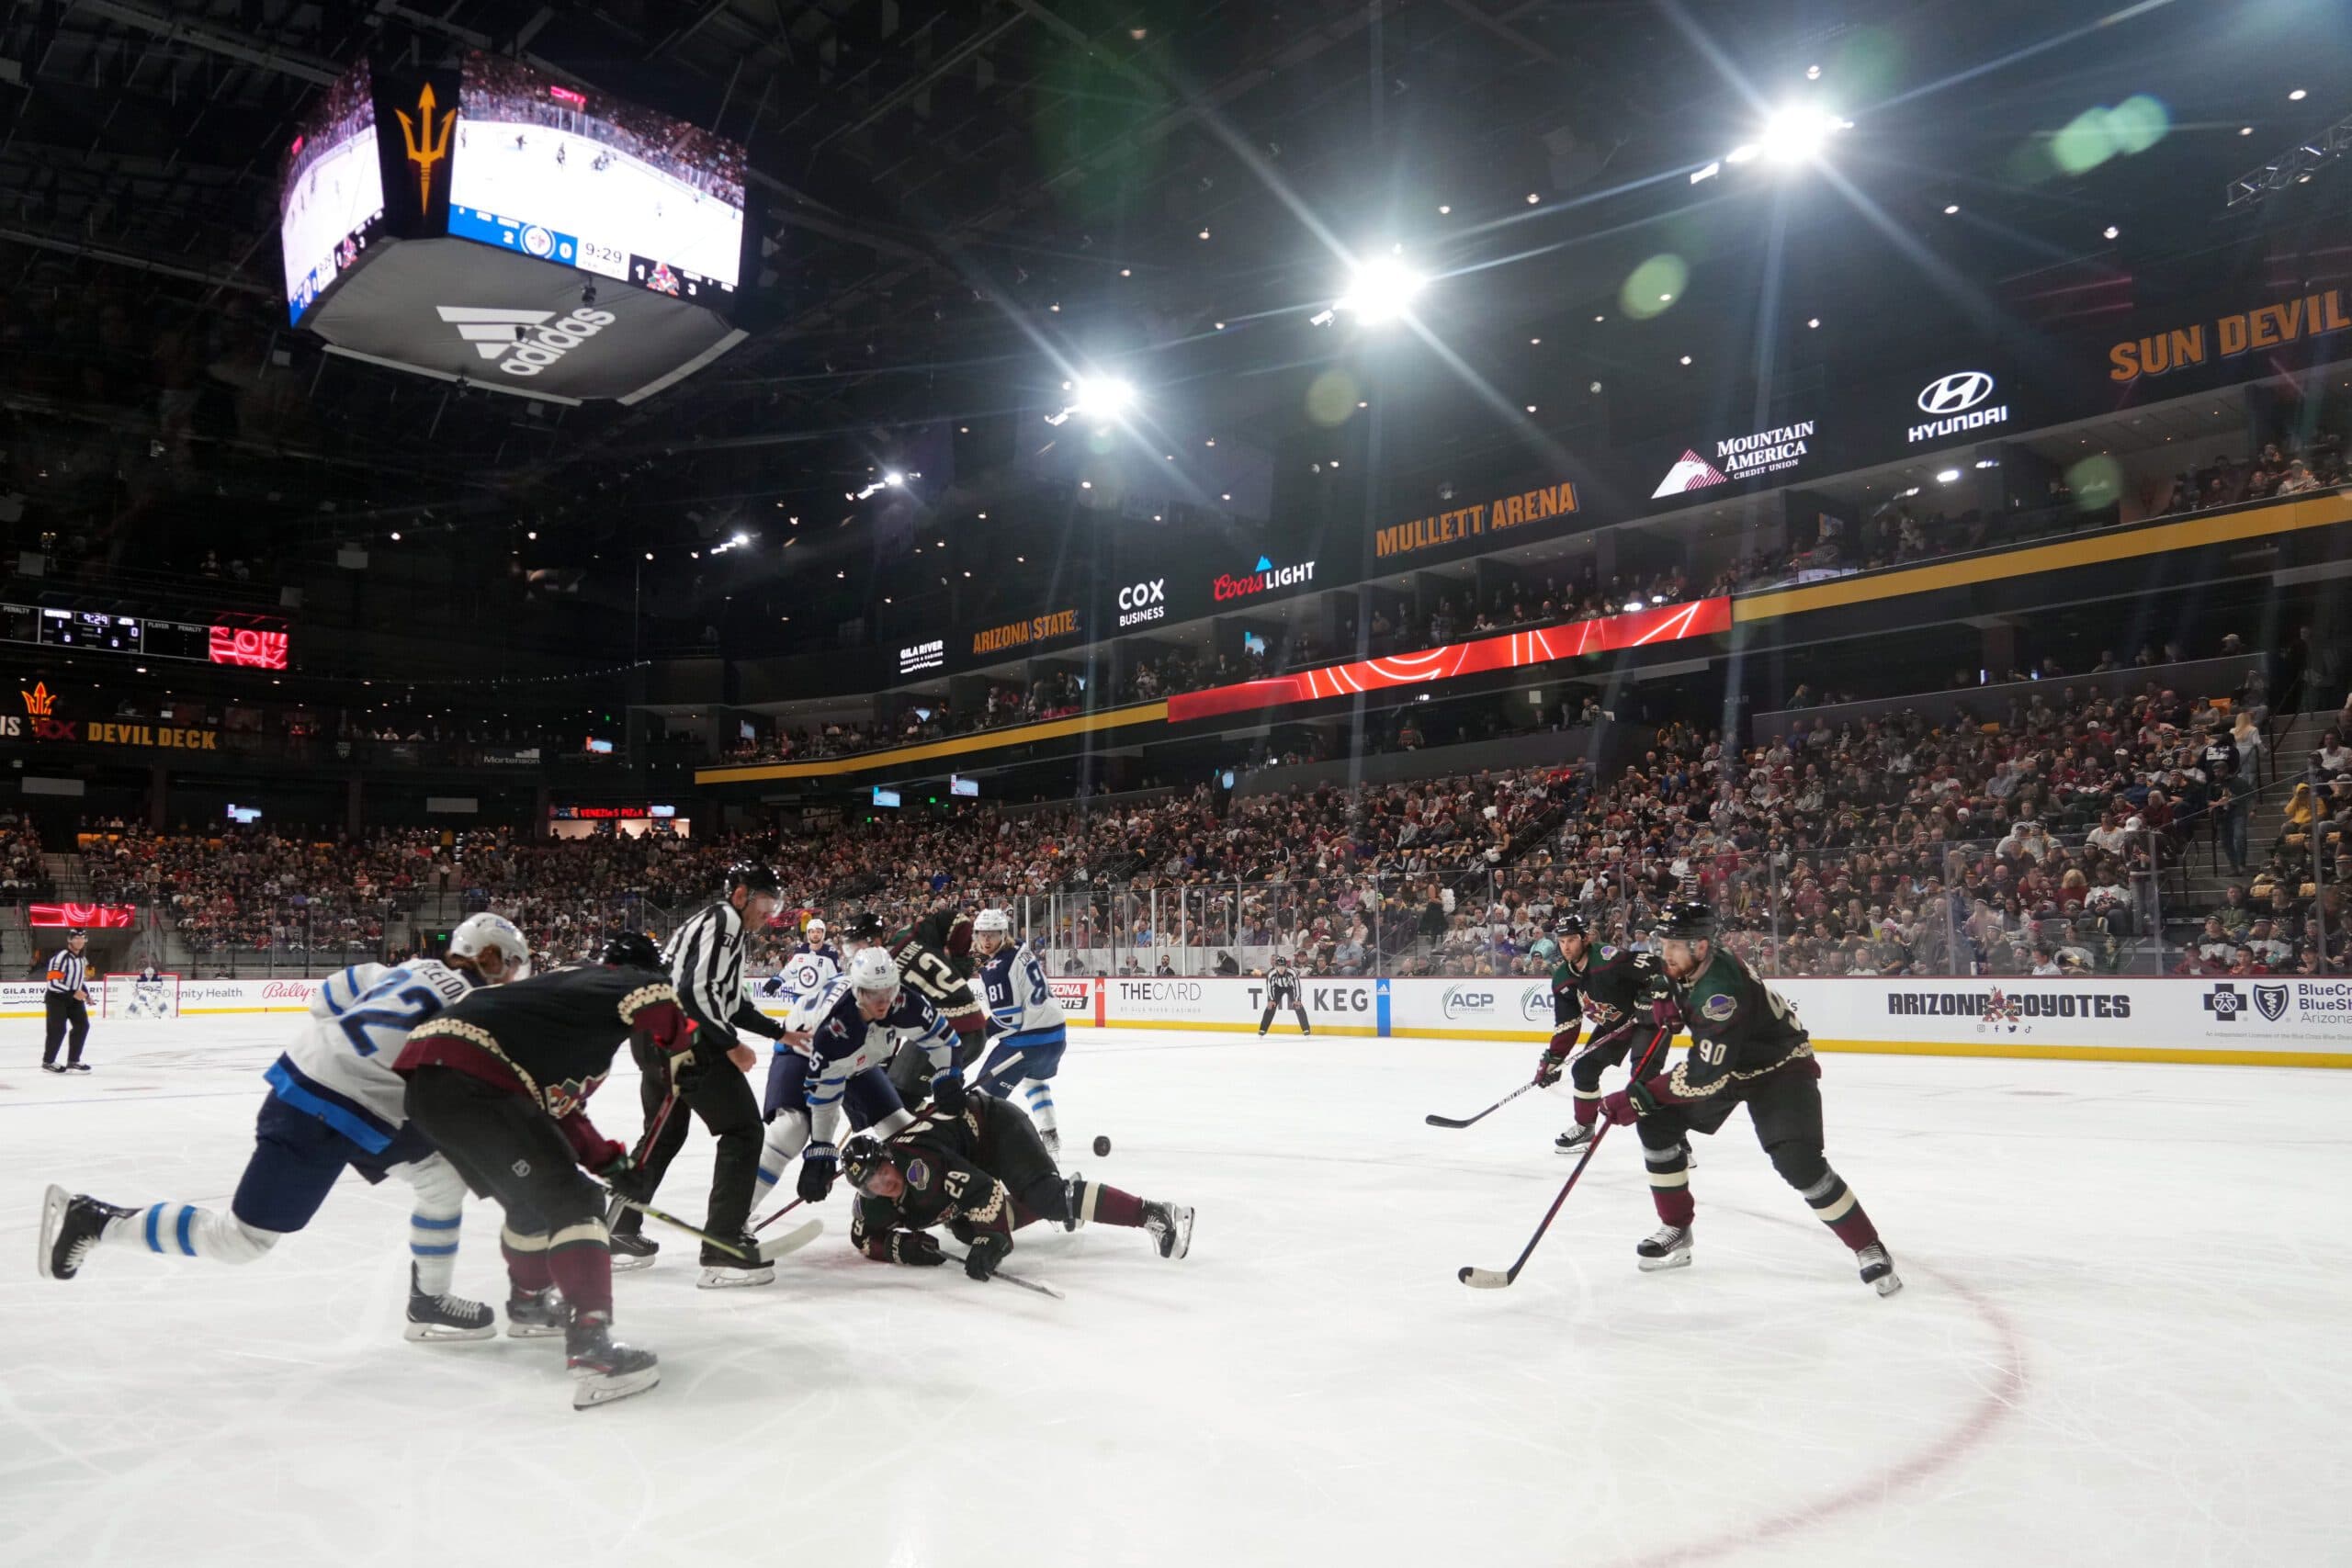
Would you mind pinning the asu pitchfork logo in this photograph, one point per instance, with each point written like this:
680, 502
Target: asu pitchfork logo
432, 147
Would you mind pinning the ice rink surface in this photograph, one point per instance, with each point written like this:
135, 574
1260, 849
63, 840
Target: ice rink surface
2124, 1340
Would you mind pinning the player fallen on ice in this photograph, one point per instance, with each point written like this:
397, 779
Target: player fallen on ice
983, 1175
501, 1083
1616, 988
841, 1038
1031, 1032
1747, 1047
335, 1104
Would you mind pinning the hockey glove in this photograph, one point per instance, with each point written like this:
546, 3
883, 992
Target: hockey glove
1548, 1067
1618, 1110
1664, 1013
917, 1249
818, 1162
948, 1093
988, 1250
612, 1162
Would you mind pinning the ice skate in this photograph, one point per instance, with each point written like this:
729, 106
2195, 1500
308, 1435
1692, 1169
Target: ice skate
52, 1067
536, 1315
1171, 1226
724, 1270
70, 1223
77, 1066
445, 1316
1878, 1269
603, 1368
1669, 1246
1575, 1140
633, 1250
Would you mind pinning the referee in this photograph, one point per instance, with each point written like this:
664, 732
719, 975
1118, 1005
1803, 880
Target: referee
68, 1000
706, 959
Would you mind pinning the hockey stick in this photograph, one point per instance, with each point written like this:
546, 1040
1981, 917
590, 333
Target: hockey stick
792, 1240
1467, 1121
650, 1212
1491, 1280
1039, 1286
1488, 1279
772, 1219
644, 1148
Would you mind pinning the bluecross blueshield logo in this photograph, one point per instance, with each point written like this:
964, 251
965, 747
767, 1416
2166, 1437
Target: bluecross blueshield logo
2224, 1003
2270, 1001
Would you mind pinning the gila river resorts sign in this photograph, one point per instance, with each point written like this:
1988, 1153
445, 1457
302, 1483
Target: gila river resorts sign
1503, 512
2197, 343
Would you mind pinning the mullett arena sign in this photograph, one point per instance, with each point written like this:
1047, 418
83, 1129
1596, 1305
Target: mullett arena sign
1539, 505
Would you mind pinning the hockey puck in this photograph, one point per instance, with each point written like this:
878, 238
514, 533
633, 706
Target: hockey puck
1102, 1147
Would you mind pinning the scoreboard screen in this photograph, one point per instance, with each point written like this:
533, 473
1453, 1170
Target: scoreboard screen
330, 195
99, 631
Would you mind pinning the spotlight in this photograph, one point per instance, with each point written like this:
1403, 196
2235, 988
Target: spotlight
1947, 476
894, 478
2297, 96
1102, 397
1380, 290
1813, 321
1950, 208
1792, 135
2111, 230
1686, 359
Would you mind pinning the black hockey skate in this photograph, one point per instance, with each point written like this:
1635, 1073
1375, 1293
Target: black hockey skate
70, 1223
77, 1066
1575, 1140
52, 1067
445, 1316
603, 1368
536, 1315
633, 1250
1878, 1269
1171, 1226
724, 1270
1669, 1246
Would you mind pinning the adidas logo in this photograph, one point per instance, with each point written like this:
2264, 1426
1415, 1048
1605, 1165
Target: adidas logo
524, 342
1692, 472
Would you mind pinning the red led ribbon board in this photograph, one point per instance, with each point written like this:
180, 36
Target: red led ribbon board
246, 646
88, 916
1577, 640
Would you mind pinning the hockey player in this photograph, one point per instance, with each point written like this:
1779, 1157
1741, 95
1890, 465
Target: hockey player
934, 956
500, 1083
335, 1103
1031, 1030
706, 961
813, 943
983, 1174
811, 963
1283, 990
842, 1035
1747, 1047
1616, 987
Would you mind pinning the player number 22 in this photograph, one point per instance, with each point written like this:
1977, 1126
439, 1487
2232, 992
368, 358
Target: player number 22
423, 1002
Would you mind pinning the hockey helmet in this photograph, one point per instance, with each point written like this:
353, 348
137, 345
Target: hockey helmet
816, 928
1571, 924
1686, 920
864, 928
486, 932
872, 970
992, 920
862, 1155
632, 950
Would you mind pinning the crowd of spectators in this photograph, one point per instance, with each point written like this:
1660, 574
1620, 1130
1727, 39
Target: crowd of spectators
2315, 463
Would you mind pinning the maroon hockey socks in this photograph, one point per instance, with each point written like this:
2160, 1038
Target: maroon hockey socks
1112, 1207
584, 1271
527, 1262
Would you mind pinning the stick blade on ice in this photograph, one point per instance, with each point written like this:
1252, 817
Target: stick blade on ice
792, 1240
1483, 1279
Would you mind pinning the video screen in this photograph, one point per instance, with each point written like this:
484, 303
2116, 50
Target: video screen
332, 195
587, 180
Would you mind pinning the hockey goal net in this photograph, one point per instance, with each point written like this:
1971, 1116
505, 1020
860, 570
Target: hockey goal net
138, 996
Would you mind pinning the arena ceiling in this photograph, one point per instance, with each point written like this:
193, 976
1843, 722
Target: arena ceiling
962, 195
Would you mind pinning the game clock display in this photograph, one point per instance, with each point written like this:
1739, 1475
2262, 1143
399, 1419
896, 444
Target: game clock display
255, 647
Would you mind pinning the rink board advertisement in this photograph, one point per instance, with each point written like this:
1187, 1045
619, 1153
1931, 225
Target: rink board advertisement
22, 999
2261, 1020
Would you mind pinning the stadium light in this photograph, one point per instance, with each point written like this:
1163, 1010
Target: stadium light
1380, 290
1096, 398
1792, 135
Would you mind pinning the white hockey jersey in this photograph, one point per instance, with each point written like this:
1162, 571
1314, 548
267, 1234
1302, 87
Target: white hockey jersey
806, 974
842, 1043
339, 1067
1020, 999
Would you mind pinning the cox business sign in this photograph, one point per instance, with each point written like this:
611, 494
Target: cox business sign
1266, 579
1142, 601
1956, 405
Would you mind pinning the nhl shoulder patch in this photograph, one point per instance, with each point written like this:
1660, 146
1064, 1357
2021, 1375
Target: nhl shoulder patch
1719, 1008
1607, 951
919, 1175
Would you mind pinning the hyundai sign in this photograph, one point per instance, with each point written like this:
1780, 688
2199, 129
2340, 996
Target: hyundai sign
1957, 404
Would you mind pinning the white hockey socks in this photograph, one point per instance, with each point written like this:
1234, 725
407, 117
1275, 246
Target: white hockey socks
432, 1227
183, 1229
788, 1135
1040, 1096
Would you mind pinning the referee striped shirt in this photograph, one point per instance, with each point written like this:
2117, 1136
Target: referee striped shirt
68, 970
705, 960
